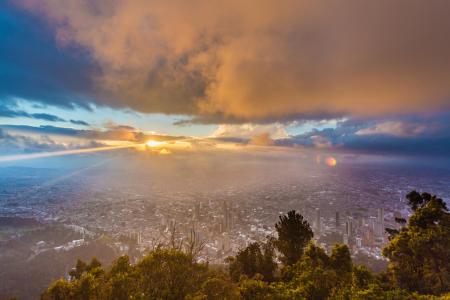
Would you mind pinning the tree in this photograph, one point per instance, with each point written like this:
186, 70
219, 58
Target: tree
314, 274
76, 272
268, 266
162, 274
341, 262
218, 288
294, 233
419, 253
254, 259
193, 245
169, 274
88, 287
59, 290
93, 264
253, 288
361, 277
121, 280
317, 275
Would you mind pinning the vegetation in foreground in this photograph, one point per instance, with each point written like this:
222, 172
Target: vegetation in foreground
418, 252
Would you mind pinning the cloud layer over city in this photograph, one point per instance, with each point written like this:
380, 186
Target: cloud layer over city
260, 59
377, 71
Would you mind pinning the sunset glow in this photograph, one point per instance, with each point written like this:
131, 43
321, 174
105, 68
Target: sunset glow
154, 144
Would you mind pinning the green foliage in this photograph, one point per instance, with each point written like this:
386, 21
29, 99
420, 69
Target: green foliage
361, 278
162, 274
341, 259
121, 282
294, 233
253, 289
219, 288
254, 259
60, 290
169, 274
420, 252
80, 267
94, 264
318, 274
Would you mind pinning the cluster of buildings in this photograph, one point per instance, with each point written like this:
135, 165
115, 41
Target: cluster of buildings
364, 233
353, 209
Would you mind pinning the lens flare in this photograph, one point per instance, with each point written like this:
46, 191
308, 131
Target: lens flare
331, 161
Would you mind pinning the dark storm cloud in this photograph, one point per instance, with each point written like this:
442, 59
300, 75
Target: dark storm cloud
33, 67
243, 61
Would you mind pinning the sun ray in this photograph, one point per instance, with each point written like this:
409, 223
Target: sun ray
63, 152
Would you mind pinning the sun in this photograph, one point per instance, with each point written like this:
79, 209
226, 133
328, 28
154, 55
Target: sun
152, 143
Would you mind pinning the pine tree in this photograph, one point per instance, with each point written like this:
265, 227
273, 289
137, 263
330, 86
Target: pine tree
294, 233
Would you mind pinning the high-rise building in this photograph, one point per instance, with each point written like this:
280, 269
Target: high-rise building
338, 220
373, 224
197, 209
139, 238
318, 221
380, 220
349, 227
345, 239
227, 217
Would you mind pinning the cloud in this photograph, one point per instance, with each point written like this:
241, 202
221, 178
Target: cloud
34, 67
395, 128
428, 135
320, 141
406, 135
249, 131
262, 139
19, 143
8, 109
112, 133
254, 61
11, 144
79, 122
7, 112
47, 117
218, 118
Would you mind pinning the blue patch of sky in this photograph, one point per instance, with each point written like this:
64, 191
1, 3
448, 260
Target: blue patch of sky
298, 128
99, 117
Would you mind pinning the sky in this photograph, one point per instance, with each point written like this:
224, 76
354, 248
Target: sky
342, 77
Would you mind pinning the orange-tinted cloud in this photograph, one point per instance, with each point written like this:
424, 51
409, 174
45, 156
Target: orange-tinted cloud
260, 59
262, 139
